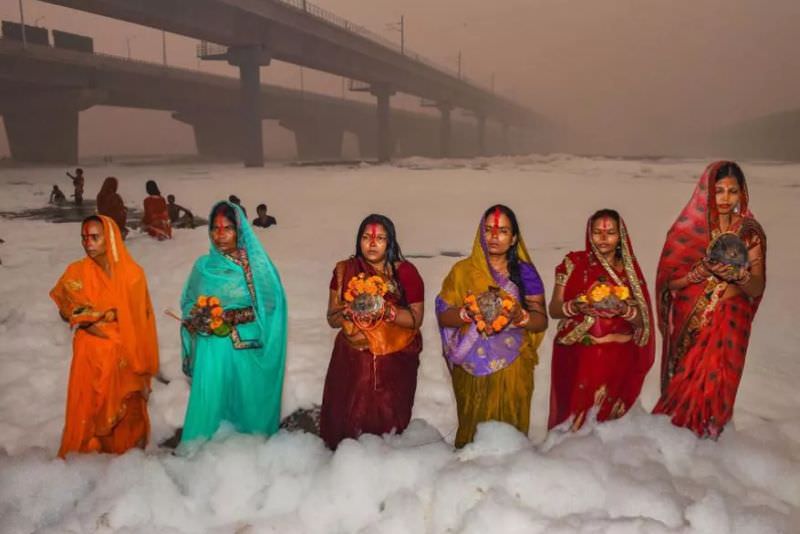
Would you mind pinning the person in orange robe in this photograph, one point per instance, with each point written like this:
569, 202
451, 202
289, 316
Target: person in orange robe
104, 298
155, 220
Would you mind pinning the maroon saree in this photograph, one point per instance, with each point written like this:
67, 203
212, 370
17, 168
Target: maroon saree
365, 392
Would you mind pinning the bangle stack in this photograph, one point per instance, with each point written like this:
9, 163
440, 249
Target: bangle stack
695, 276
746, 276
390, 314
631, 313
464, 315
568, 310
526, 318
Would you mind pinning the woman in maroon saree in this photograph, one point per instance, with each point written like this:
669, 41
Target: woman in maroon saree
599, 362
705, 308
372, 375
110, 204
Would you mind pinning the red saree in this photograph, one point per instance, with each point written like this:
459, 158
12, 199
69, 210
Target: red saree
364, 392
705, 337
109, 379
110, 204
604, 377
155, 220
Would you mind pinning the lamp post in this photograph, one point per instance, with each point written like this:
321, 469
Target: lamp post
22, 23
400, 27
128, 40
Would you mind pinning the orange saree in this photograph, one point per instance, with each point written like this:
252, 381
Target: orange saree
110, 376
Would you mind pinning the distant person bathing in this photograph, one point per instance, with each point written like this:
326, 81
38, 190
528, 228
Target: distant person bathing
263, 220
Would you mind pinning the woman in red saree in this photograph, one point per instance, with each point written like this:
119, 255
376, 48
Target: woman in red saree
599, 359
155, 220
110, 204
372, 376
115, 349
706, 308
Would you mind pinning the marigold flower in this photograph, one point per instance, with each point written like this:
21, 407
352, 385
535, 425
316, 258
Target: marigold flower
216, 311
600, 292
480, 325
202, 301
508, 304
622, 292
215, 323
213, 301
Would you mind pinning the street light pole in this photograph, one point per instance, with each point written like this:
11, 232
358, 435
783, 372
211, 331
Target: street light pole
400, 27
22, 22
403, 34
128, 40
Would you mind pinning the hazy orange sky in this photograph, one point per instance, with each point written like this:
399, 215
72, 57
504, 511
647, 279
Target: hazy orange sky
623, 76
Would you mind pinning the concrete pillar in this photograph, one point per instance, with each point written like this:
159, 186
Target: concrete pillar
217, 134
444, 130
42, 125
316, 142
383, 92
249, 59
43, 136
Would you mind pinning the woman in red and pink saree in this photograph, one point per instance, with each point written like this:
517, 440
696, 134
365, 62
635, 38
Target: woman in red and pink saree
372, 375
604, 346
155, 220
707, 299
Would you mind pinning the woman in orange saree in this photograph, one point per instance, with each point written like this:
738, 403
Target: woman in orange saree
104, 298
599, 359
705, 306
155, 220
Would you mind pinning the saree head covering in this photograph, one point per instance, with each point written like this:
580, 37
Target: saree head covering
465, 346
605, 376
110, 377
704, 336
239, 377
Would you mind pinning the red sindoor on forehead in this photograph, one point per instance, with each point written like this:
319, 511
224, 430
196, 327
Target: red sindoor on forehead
606, 223
497, 213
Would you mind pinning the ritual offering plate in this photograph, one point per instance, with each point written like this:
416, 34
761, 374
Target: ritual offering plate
728, 249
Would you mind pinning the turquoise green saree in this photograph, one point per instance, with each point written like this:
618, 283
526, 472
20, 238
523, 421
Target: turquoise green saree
239, 377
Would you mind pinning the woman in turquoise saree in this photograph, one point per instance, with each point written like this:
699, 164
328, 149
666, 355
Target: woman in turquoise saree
235, 355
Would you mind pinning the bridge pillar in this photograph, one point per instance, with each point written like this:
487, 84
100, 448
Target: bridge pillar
217, 134
444, 130
315, 141
384, 138
249, 59
506, 148
42, 125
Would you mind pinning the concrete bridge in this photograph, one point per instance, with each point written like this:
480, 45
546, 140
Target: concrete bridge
253, 32
43, 89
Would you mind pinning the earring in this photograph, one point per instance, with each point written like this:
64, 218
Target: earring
736, 208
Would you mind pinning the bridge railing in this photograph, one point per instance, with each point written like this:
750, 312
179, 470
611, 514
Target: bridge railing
209, 49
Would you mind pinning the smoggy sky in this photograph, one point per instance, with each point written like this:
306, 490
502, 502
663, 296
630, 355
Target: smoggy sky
622, 76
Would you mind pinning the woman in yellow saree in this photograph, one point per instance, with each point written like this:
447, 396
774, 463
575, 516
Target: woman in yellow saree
492, 374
